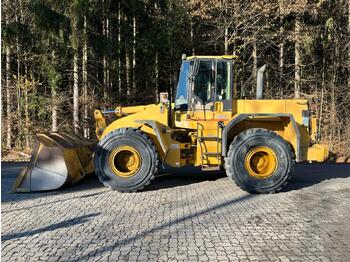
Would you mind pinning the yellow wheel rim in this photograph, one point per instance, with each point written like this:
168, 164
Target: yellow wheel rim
125, 161
261, 162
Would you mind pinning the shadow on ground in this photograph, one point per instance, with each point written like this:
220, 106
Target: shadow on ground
63, 224
168, 178
160, 227
305, 175
174, 177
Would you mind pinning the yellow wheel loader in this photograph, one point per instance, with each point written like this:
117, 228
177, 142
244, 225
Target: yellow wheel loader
256, 141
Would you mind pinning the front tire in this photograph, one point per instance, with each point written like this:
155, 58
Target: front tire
126, 160
259, 161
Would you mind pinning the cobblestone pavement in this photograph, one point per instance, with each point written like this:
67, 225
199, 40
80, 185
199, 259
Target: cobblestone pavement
190, 216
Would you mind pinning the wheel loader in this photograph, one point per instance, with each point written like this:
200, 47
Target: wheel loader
256, 141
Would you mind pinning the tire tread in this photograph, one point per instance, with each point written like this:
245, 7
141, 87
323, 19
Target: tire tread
155, 152
241, 136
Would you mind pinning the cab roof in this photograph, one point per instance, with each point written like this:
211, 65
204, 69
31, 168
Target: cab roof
212, 57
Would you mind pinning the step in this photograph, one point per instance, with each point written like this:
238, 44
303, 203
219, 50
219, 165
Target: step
210, 168
209, 138
212, 154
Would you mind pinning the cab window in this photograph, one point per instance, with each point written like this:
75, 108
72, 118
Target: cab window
203, 85
223, 76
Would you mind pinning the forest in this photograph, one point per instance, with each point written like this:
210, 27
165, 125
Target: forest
63, 59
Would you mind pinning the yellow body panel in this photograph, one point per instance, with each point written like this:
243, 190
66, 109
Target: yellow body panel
282, 116
137, 117
317, 153
151, 112
281, 125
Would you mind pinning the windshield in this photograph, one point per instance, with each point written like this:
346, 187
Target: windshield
182, 85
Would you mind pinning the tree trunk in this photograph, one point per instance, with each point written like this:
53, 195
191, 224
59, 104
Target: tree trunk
297, 58
85, 79
234, 29
127, 72
226, 31
348, 45
54, 109
108, 75
106, 56
333, 115
323, 85
127, 65
192, 36
255, 65
234, 46
134, 56
226, 40
281, 65
26, 115
119, 53
26, 107
281, 58
105, 68
8, 99
156, 78
75, 92
19, 91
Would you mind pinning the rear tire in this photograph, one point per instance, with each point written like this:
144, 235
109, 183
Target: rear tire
259, 161
126, 160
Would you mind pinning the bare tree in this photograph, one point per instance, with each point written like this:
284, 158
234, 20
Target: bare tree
134, 54
156, 71
119, 52
54, 100
348, 44
297, 57
8, 98
85, 76
106, 66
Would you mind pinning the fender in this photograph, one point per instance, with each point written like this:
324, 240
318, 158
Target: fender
169, 148
158, 131
242, 117
158, 113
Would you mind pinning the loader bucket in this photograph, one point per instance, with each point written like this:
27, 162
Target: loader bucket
57, 159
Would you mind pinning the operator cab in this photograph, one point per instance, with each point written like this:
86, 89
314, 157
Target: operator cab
205, 84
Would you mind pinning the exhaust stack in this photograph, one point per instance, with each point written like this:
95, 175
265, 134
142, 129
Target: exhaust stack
260, 82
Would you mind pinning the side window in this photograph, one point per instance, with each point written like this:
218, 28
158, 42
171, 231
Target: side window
182, 87
223, 80
203, 85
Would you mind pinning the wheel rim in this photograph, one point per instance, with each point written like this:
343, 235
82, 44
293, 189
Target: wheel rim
125, 161
261, 162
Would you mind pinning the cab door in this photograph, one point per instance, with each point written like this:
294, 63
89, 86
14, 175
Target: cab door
203, 86
223, 86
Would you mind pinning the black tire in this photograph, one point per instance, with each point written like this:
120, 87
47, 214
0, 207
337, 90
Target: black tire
241, 146
137, 140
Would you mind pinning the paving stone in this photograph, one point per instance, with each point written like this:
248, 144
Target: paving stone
196, 217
